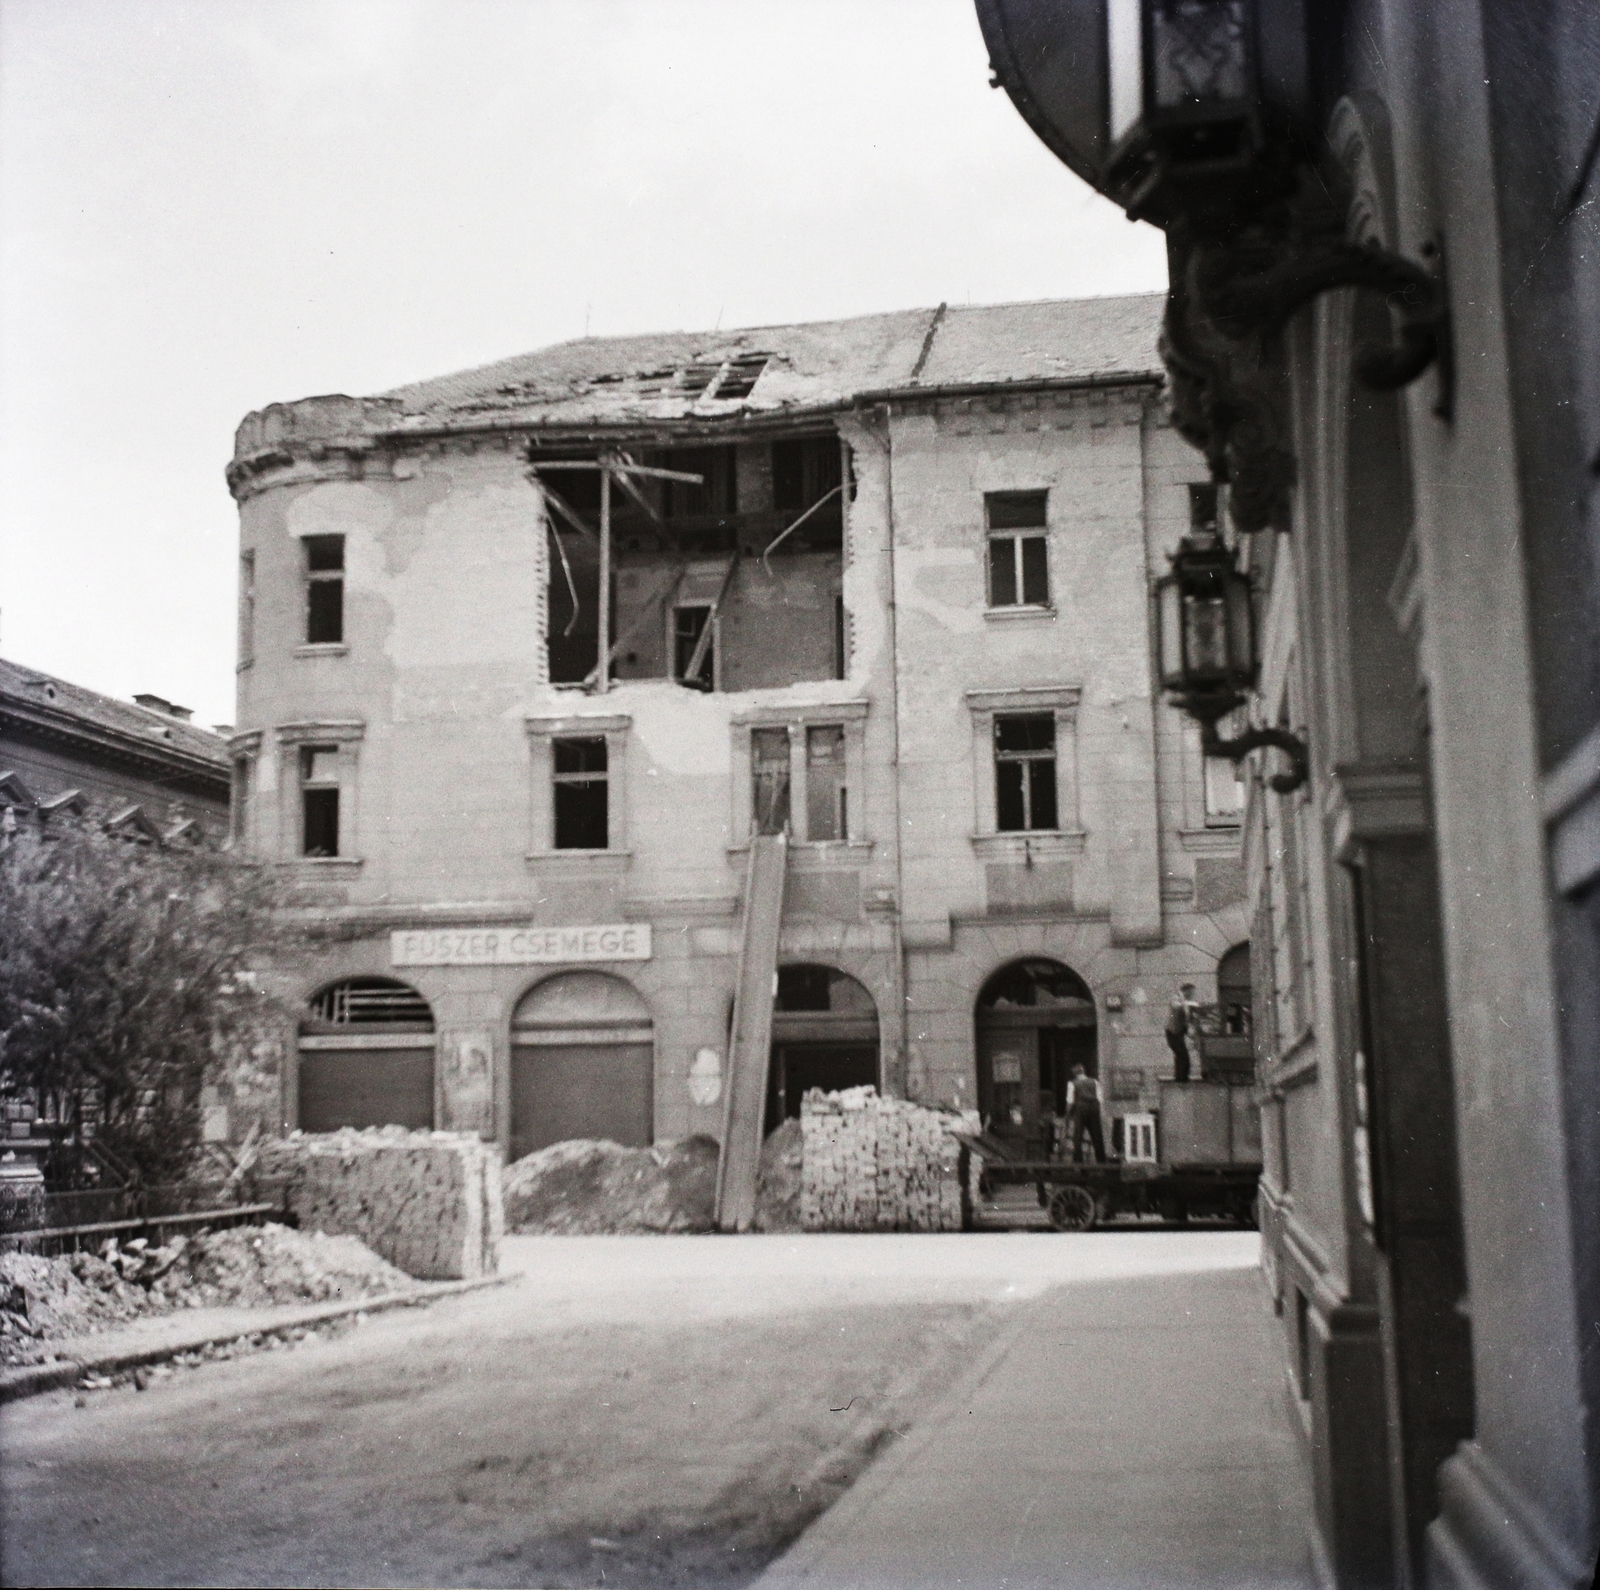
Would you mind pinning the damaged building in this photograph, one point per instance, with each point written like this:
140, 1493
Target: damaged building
535, 657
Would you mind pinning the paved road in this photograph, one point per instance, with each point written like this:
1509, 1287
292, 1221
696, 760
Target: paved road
632, 1411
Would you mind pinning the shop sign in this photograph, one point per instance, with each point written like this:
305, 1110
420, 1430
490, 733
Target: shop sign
519, 946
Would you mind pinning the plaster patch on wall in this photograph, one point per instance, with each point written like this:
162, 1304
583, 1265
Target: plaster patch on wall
939, 583
471, 590
360, 513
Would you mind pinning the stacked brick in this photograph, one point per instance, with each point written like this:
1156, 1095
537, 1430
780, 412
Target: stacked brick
428, 1202
877, 1164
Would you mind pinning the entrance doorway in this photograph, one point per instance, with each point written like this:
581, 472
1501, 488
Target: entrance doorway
582, 1064
1036, 1021
366, 1057
824, 1035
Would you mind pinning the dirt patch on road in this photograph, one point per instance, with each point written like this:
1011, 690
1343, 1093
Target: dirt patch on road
43, 1300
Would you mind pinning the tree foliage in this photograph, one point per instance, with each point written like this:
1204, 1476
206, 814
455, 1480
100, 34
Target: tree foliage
126, 979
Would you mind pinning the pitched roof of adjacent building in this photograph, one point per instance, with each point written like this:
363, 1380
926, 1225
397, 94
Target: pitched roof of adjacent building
28, 695
818, 364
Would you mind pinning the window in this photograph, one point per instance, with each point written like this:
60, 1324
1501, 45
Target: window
324, 590
1025, 772
827, 795
718, 495
804, 468
1224, 791
247, 606
769, 765
319, 800
688, 625
582, 794
1019, 568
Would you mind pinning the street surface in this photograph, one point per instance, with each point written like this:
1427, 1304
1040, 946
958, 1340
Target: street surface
645, 1411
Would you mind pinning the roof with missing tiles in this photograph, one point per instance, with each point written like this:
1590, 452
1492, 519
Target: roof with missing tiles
32, 697
819, 364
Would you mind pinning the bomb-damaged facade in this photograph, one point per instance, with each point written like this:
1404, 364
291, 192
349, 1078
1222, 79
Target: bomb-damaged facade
529, 653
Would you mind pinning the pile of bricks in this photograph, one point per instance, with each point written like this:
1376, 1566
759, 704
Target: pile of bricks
877, 1164
428, 1202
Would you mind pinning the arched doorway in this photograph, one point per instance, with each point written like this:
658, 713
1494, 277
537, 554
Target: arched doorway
824, 1035
582, 1063
366, 1057
1227, 1053
1036, 1021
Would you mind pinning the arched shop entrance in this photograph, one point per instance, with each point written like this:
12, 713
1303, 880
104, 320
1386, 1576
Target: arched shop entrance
366, 1057
582, 1063
1036, 1021
1227, 1051
824, 1035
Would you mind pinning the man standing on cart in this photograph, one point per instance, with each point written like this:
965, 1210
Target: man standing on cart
1083, 1113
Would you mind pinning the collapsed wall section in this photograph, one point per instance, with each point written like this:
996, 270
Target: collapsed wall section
428, 1202
878, 1164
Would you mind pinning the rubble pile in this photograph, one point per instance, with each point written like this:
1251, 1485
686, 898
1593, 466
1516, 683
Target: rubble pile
429, 1202
77, 1294
781, 1179
877, 1164
593, 1187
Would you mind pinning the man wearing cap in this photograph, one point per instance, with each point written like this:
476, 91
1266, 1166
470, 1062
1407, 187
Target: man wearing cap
1180, 1016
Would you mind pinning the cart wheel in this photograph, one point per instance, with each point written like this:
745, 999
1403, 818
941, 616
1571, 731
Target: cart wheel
1072, 1209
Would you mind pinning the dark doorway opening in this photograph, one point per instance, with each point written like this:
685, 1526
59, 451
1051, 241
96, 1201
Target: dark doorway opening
824, 1035
1035, 1023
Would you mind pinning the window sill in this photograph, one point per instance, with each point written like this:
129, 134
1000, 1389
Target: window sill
328, 648
1035, 842
1223, 840
333, 864
589, 861
806, 854
1019, 610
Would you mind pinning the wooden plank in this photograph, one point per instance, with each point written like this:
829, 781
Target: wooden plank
603, 664
95, 1228
697, 661
750, 1050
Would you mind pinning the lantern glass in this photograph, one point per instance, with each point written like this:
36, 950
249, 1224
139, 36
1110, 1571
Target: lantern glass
1199, 53
1125, 59
1169, 632
1205, 639
1241, 629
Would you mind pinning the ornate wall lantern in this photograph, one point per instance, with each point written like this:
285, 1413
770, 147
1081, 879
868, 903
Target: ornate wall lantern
1207, 653
1199, 115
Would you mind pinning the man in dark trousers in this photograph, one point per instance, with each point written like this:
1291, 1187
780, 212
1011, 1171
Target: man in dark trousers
1180, 1015
1083, 1111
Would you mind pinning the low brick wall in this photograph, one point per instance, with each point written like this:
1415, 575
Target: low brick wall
428, 1202
877, 1164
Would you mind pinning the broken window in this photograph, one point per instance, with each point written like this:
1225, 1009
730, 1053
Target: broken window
769, 766
804, 470
247, 606
688, 627
827, 796
324, 590
1019, 571
719, 495
1025, 772
582, 791
319, 799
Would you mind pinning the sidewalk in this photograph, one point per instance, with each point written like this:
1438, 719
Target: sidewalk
1120, 1435
158, 1337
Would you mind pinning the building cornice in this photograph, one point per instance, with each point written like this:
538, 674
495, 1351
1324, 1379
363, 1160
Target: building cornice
101, 743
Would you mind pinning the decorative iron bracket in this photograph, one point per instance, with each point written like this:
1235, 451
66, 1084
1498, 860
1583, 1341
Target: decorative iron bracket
1253, 739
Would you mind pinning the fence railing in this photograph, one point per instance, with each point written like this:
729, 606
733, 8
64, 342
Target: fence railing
31, 1217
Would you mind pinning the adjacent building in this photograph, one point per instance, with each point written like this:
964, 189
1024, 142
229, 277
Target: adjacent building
140, 765
529, 652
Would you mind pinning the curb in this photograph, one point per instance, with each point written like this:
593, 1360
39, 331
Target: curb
31, 1379
799, 1564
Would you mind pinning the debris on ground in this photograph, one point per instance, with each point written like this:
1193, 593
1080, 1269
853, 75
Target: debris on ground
592, 1187
77, 1294
781, 1179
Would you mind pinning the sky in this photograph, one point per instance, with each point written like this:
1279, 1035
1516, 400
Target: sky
211, 205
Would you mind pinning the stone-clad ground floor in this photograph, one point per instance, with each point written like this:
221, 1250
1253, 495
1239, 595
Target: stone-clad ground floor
631, 1041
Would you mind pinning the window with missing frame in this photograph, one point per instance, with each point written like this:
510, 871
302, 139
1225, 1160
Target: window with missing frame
319, 800
581, 794
324, 590
1025, 772
1019, 564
